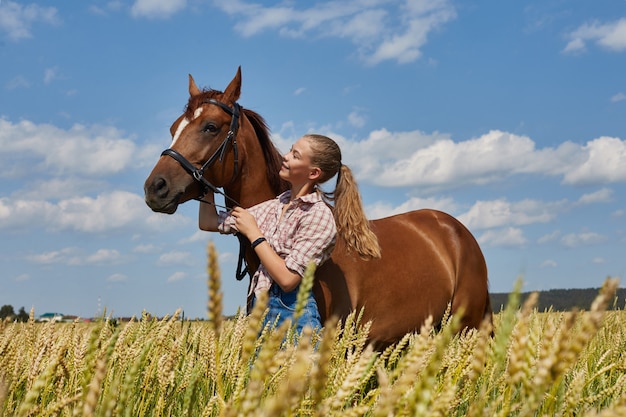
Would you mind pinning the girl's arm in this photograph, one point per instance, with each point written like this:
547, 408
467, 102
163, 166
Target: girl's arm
276, 267
207, 214
274, 264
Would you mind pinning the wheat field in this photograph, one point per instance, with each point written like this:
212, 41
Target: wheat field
535, 364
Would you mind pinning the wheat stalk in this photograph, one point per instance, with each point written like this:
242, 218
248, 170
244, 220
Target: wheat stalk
538, 364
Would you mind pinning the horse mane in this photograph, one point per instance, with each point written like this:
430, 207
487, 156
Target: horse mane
272, 155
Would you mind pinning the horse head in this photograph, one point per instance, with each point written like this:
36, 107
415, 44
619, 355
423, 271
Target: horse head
203, 147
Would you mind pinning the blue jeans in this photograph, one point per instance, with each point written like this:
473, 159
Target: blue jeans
282, 306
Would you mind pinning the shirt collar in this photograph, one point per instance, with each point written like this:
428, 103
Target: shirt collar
310, 198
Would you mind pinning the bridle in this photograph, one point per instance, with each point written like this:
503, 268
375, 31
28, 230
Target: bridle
231, 136
206, 186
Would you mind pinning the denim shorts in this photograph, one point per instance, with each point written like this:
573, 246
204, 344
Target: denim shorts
282, 306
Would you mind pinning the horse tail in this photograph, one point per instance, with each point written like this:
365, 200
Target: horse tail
488, 313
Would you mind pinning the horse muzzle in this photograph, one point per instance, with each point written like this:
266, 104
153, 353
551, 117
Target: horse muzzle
160, 197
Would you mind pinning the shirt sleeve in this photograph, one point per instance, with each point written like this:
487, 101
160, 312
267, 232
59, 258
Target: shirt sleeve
315, 239
226, 222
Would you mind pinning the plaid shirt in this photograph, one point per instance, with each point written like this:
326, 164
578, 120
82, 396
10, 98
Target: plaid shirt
307, 232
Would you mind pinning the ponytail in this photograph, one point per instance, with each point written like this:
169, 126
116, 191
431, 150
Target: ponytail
352, 225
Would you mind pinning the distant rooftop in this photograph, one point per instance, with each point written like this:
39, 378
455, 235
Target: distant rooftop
52, 315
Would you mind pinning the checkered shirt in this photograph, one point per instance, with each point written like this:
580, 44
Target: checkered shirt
307, 232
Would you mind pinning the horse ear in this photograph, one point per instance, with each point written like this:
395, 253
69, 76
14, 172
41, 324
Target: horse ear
193, 88
232, 92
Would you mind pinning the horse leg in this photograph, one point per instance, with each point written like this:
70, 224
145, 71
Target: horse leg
471, 296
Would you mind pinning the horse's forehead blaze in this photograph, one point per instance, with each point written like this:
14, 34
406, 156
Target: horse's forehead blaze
183, 124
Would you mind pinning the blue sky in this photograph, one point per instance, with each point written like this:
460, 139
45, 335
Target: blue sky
511, 116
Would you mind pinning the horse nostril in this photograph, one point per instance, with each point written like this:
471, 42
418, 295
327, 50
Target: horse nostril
160, 187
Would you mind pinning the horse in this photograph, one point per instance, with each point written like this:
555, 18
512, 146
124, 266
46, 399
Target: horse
431, 264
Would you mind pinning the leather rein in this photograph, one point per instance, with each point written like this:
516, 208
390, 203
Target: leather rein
206, 186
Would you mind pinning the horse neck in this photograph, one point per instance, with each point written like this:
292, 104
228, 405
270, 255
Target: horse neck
252, 185
249, 191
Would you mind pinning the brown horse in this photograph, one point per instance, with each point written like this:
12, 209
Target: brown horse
429, 259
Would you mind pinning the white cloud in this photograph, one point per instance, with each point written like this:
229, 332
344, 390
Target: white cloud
618, 97
50, 74
415, 158
17, 19
70, 159
418, 158
362, 27
573, 240
149, 248
611, 36
53, 257
103, 257
17, 82
117, 278
576, 45
419, 20
198, 236
111, 5
175, 258
75, 256
157, 9
22, 278
368, 157
356, 119
60, 188
379, 32
108, 212
601, 196
5, 210
550, 237
381, 209
511, 237
548, 263
299, 91
176, 276
604, 161
498, 213
94, 150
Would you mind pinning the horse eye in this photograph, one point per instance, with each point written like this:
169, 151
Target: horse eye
209, 127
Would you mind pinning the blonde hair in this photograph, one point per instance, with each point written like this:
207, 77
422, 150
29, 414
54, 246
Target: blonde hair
352, 224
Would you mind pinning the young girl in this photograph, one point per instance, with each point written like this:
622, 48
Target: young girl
298, 226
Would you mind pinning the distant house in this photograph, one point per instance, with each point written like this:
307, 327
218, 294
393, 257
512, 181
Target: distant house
51, 317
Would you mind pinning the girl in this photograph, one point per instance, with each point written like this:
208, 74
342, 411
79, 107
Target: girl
298, 226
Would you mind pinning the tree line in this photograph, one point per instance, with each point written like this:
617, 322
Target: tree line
7, 311
561, 300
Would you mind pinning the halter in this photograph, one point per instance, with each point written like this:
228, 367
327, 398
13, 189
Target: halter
198, 173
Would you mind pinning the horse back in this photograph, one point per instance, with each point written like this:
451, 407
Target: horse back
429, 261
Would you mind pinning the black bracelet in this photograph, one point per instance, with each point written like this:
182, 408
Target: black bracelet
258, 242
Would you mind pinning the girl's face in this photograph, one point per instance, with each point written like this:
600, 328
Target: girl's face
297, 166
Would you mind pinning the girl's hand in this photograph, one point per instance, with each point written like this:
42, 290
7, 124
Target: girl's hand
245, 223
